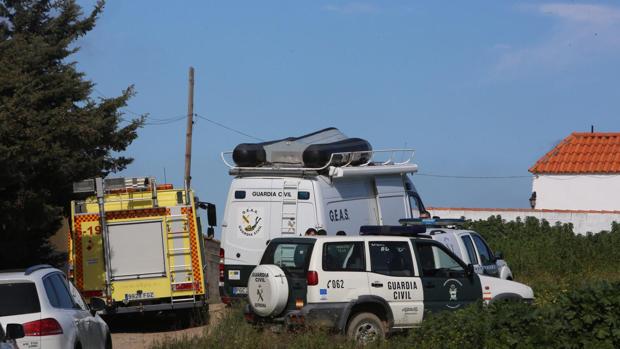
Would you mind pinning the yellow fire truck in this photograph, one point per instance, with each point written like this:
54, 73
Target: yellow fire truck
138, 245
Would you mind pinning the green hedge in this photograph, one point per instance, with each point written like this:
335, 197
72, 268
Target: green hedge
551, 258
588, 317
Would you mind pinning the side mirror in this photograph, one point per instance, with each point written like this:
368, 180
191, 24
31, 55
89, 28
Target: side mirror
14, 331
499, 255
211, 215
470, 270
210, 233
96, 304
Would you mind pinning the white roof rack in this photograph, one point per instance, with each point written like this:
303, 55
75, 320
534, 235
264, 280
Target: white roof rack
387, 165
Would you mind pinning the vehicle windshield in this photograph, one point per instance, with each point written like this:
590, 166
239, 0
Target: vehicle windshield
18, 298
292, 257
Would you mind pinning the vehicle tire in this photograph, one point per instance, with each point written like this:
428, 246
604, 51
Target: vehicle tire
366, 328
108, 341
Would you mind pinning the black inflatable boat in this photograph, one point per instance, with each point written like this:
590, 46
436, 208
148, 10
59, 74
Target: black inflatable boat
313, 150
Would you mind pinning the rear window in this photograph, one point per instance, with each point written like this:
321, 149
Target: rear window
292, 257
18, 298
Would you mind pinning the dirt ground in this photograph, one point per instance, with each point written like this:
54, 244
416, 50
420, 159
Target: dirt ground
141, 333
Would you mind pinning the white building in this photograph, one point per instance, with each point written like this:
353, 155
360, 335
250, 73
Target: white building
577, 182
580, 173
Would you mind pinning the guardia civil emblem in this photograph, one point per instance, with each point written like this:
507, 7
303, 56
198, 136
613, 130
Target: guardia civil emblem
250, 223
452, 286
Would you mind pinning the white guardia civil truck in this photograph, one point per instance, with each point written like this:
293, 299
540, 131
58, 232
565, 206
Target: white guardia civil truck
322, 180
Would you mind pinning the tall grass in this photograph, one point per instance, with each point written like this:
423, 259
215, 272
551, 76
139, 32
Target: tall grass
577, 301
551, 258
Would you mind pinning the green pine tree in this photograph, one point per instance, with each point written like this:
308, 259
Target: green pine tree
52, 132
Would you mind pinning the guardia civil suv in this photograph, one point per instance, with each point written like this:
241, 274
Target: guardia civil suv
389, 277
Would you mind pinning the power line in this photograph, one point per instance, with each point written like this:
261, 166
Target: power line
169, 120
471, 177
229, 128
166, 121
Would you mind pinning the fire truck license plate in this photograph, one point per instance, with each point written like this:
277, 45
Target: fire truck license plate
135, 296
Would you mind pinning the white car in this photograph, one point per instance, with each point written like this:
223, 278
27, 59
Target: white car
364, 286
466, 244
51, 311
473, 249
8, 337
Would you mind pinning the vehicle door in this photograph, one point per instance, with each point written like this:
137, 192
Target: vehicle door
446, 283
393, 277
69, 313
97, 327
486, 258
344, 271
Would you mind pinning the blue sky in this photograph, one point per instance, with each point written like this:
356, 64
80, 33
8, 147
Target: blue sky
478, 88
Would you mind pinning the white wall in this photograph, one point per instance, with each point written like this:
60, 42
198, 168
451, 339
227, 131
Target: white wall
577, 192
582, 221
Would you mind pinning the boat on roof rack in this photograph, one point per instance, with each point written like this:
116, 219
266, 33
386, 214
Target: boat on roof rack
327, 151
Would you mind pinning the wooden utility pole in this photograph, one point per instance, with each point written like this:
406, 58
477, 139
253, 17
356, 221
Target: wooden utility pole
188, 135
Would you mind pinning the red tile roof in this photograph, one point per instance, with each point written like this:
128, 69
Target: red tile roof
594, 152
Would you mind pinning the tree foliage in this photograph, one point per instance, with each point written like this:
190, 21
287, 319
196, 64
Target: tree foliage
52, 132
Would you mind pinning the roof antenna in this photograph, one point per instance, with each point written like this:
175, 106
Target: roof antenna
591, 128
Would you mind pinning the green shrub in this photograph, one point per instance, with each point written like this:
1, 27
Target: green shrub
589, 317
552, 259
584, 318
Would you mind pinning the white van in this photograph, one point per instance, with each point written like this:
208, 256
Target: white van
285, 199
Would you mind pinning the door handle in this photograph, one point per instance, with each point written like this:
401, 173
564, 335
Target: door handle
376, 284
429, 285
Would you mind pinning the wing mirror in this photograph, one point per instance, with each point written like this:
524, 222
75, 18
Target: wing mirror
499, 255
14, 331
470, 270
96, 304
211, 212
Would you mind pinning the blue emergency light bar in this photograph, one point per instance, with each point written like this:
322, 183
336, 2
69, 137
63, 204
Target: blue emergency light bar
392, 230
431, 222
